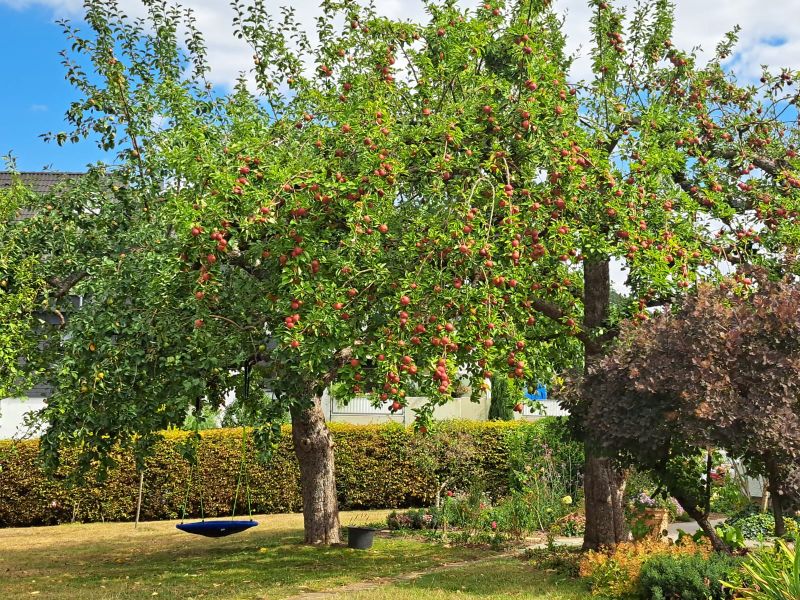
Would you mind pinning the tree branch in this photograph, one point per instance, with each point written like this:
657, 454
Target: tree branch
557, 314
768, 165
63, 287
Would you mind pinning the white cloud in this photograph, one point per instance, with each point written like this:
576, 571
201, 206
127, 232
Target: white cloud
38, 108
770, 33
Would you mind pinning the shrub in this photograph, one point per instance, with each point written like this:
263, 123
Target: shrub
516, 515
467, 511
770, 574
472, 514
413, 519
727, 497
505, 395
755, 525
687, 576
616, 574
550, 450
375, 468
399, 520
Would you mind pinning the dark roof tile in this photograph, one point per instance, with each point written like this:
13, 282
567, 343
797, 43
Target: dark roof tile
38, 181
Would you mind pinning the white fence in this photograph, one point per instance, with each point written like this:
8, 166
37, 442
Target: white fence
550, 409
361, 406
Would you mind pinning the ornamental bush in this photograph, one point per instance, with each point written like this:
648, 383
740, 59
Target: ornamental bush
688, 577
364, 454
755, 525
616, 574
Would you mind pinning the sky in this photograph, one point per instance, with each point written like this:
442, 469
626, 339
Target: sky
34, 94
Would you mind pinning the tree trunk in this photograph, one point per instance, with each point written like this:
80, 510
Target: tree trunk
604, 485
777, 511
604, 488
777, 497
314, 448
702, 520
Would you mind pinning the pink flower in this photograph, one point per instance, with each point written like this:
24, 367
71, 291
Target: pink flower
494, 525
449, 493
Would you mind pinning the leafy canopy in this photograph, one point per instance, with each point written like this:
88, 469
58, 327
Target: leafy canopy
394, 203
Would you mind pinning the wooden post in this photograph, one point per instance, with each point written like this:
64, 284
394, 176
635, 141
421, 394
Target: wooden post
139, 502
764, 498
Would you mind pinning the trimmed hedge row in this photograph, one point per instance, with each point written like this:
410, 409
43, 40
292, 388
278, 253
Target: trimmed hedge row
375, 468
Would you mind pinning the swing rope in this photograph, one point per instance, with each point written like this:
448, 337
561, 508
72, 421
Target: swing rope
243, 470
243, 474
214, 528
188, 489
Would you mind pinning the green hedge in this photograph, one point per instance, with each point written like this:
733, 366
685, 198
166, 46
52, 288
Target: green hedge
375, 468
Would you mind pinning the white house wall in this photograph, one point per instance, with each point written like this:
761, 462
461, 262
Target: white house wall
12, 415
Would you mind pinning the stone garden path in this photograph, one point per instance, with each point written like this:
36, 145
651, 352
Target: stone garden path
689, 527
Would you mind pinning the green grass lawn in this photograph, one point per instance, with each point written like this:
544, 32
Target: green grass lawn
502, 579
114, 560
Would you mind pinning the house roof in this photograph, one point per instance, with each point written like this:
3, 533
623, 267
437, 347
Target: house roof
38, 181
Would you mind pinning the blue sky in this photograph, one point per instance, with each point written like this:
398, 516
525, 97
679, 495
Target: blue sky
36, 94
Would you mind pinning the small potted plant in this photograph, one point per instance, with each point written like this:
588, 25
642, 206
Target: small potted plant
360, 534
651, 520
460, 390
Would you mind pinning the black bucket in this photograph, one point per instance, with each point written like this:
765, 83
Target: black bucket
360, 538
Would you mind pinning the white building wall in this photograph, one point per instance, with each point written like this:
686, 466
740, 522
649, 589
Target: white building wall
12, 415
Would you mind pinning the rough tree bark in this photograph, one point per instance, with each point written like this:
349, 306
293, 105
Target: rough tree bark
774, 479
702, 520
604, 485
313, 446
603, 488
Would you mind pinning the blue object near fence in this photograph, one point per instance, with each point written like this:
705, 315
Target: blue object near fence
539, 394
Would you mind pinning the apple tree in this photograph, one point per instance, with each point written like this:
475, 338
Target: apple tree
354, 221
391, 203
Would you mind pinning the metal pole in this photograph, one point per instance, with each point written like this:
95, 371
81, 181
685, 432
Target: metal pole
139, 503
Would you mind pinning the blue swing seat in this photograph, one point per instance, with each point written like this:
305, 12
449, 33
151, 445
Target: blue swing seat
216, 529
